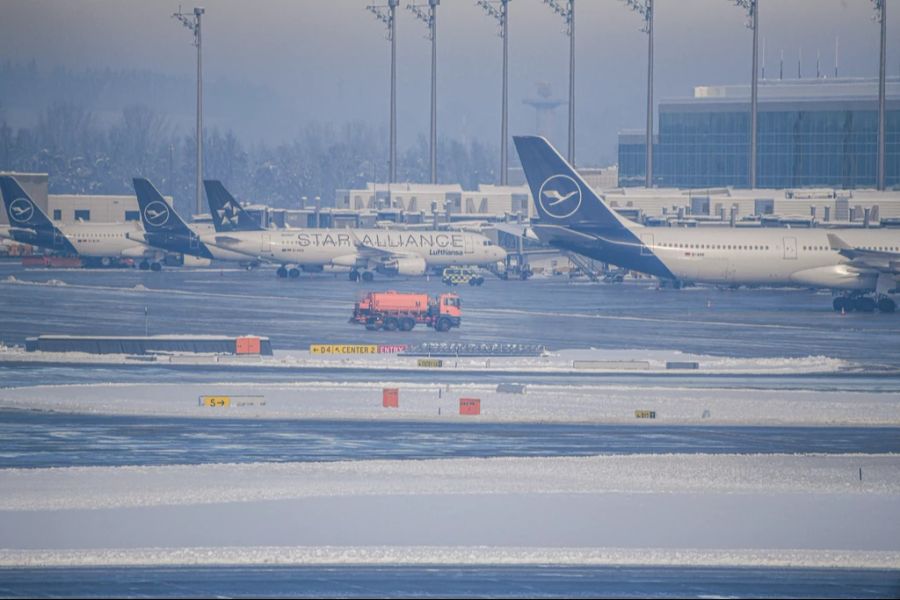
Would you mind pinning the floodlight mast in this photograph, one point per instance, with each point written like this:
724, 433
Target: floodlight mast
387, 14
752, 8
428, 15
567, 12
499, 9
192, 22
645, 9
881, 17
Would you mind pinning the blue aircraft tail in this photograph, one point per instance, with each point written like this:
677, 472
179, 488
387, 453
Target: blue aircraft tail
156, 214
20, 208
227, 213
560, 195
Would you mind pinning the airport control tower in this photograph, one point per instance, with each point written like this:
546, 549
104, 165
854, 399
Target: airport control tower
545, 106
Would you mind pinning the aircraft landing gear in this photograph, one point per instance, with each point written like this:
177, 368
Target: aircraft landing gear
368, 276
842, 304
155, 267
864, 304
281, 272
294, 273
354, 275
886, 305
144, 266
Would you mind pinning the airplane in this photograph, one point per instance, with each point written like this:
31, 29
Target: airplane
362, 251
166, 230
861, 265
99, 243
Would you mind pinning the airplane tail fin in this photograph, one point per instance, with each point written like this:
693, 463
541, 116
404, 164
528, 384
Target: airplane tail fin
227, 213
156, 214
20, 208
561, 196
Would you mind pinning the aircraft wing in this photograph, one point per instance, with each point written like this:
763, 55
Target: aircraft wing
516, 230
558, 233
879, 260
227, 242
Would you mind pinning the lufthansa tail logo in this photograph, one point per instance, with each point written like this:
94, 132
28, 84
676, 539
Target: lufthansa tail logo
560, 196
21, 210
156, 213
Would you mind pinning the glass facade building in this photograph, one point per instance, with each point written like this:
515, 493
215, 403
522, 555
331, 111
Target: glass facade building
803, 141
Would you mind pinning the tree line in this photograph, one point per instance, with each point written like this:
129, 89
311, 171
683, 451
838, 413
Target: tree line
82, 155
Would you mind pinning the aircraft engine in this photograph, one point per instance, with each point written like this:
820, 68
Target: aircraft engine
348, 260
841, 277
404, 266
137, 252
195, 261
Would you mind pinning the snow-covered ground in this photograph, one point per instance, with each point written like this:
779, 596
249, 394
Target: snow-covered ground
86, 488
450, 555
613, 403
663, 509
781, 510
563, 362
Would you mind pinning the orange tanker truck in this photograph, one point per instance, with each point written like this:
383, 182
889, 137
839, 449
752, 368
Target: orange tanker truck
396, 310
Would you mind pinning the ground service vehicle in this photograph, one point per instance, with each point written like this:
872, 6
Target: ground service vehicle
396, 310
461, 276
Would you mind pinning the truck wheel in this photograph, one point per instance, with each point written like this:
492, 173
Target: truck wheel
443, 324
479, 281
391, 324
407, 324
371, 324
473, 282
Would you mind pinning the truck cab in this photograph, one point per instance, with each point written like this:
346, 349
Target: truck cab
449, 312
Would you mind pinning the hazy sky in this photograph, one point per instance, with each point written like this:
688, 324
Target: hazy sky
328, 60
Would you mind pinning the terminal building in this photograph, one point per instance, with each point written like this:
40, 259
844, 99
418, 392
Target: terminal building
487, 202
812, 133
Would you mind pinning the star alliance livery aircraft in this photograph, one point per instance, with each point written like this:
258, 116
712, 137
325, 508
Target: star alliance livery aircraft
863, 265
99, 243
363, 251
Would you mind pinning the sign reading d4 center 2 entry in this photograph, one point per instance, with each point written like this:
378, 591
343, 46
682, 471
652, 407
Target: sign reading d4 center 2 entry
356, 348
343, 349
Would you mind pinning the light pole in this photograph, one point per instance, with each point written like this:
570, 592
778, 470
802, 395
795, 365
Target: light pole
194, 25
881, 6
645, 9
567, 12
388, 15
500, 11
752, 8
429, 17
